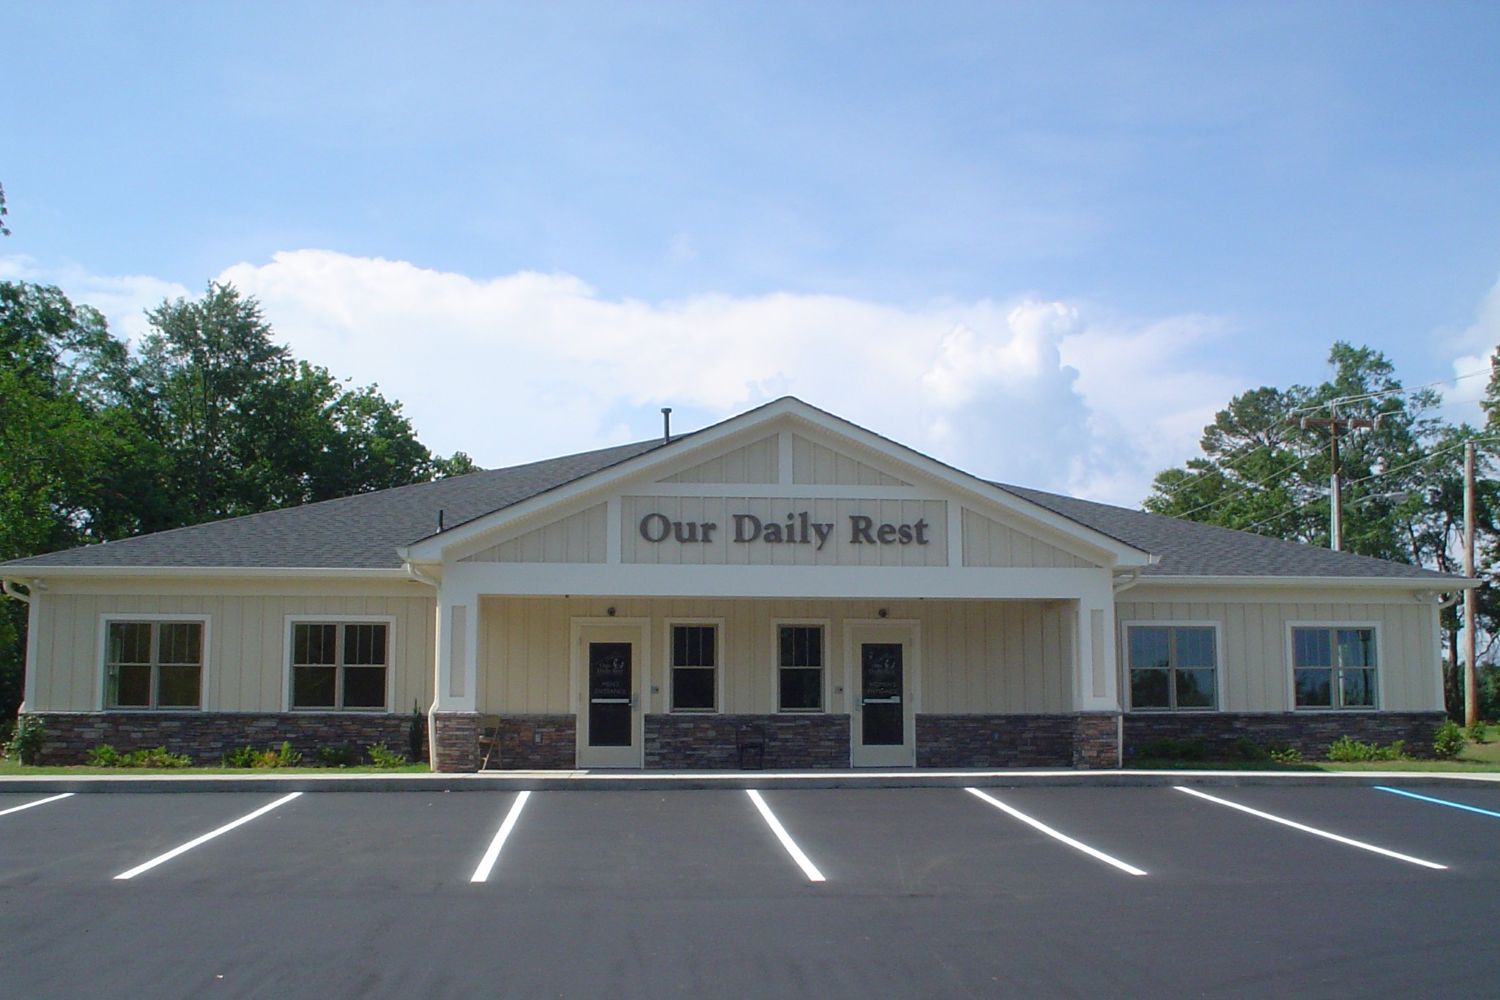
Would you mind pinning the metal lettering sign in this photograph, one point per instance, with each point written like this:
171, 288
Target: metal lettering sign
798, 529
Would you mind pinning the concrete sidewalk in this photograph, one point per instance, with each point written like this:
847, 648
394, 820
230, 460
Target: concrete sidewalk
499, 781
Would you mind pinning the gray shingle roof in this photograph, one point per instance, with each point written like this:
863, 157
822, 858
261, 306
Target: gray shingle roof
364, 531
1187, 548
358, 532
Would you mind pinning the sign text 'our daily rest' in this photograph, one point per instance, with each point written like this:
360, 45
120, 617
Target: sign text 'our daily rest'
798, 529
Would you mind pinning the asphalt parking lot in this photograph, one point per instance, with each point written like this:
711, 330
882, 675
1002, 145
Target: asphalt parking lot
918, 892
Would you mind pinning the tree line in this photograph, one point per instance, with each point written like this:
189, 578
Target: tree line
209, 418
1266, 461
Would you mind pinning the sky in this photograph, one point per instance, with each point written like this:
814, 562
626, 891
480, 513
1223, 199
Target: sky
1044, 242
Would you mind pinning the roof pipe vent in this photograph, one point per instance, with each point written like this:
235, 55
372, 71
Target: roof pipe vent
440, 519
666, 425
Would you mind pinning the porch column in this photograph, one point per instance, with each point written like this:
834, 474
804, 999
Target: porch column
453, 723
1096, 694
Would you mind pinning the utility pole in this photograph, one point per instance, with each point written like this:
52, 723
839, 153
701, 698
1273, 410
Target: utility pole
1335, 424
1471, 673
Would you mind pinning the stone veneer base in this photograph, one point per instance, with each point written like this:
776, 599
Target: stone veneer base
772, 742
1087, 739
1309, 732
455, 741
535, 743
206, 736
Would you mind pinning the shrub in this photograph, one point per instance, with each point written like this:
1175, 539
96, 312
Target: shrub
105, 755
1245, 748
1286, 755
382, 756
282, 756
336, 756
1447, 740
1478, 732
1345, 750
414, 732
25, 740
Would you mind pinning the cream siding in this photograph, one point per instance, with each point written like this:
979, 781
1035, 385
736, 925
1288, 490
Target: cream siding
838, 550
754, 463
245, 657
816, 464
975, 657
581, 538
1255, 664
987, 542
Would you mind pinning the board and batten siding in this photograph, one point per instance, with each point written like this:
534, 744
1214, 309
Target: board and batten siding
246, 645
757, 462
815, 464
1255, 662
837, 551
987, 542
580, 538
975, 656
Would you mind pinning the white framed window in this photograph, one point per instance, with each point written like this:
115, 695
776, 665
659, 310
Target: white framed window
801, 662
693, 655
154, 662
337, 664
1172, 666
1335, 665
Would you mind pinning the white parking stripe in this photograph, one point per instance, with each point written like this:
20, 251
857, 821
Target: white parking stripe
38, 802
1313, 830
1056, 835
492, 853
162, 858
808, 868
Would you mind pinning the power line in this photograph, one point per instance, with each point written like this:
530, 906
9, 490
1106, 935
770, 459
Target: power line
1381, 393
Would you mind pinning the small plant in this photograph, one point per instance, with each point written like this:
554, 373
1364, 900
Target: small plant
1478, 732
1447, 740
1345, 749
271, 757
382, 756
414, 733
1286, 755
1245, 748
25, 740
105, 755
336, 756
240, 757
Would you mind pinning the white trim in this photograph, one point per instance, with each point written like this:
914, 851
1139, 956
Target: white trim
826, 624
1423, 584
230, 572
719, 666
1128, 705
288, 621
1290, 667
780, 491
106, 617
640, 630
910, 631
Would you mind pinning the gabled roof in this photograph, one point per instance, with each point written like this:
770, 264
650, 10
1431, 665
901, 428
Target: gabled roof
365, 532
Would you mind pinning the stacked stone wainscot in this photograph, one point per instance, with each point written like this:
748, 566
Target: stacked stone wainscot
205, 737
1309, 732
773, 742
1063, 740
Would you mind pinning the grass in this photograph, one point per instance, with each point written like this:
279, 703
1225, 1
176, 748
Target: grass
10, 768
1476, 758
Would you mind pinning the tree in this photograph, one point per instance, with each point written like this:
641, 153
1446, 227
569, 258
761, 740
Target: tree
3, 212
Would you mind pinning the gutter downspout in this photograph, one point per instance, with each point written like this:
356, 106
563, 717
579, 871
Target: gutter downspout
1124, 583
9, 587
421, 577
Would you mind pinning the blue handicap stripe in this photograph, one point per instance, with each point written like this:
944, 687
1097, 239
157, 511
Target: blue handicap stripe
1441, 802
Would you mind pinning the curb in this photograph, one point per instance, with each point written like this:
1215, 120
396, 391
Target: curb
733, 780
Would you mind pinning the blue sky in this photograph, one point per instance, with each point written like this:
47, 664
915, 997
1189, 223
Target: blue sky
1044, 241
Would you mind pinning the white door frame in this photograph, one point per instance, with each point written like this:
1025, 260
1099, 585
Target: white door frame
637, 632
907, 632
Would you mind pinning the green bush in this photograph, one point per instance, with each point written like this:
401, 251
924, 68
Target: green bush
336, 756
271, 757
1478, 732
1346, 750
383, 756
105, 755
1447, 740
1286, 755
1245, 748
25, 740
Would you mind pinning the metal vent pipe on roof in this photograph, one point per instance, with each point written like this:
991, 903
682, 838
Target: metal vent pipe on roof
666, 424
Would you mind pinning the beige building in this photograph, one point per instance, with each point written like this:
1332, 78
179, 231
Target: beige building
783, 589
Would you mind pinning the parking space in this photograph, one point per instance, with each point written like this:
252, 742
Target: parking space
920, 892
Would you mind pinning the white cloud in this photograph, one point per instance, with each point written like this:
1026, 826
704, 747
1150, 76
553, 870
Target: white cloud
1475, 346
529, 365
122, 299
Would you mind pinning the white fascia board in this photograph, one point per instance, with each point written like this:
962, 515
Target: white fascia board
230, 572
805, 582
1314, 582
435, 547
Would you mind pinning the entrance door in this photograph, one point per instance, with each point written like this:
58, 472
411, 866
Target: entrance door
883, 711
609, 698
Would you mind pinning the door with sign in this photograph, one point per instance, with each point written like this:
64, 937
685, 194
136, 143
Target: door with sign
608, 690
882, 727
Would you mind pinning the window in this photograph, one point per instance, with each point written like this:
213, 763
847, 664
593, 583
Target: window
339, 665
1333, 667
694, 658
1173, 666
154, 664
799, 668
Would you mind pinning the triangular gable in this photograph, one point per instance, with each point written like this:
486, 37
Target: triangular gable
991, 543
817, 464
781, 422
756, 462
577, 538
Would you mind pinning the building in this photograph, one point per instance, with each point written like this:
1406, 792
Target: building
783, 589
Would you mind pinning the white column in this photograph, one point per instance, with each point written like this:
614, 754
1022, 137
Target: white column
1095, 678
457, 660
